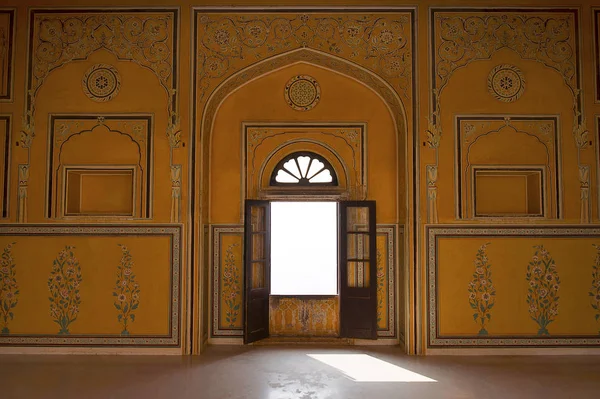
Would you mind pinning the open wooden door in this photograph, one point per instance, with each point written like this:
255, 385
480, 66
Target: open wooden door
257, 267
358, 270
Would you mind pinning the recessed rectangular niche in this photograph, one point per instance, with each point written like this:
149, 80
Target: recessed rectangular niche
508, 192
99, 192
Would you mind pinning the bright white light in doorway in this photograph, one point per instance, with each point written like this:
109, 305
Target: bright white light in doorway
303, 248
364, 368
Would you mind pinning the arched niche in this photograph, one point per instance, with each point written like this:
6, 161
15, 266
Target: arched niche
345, 101
99, 168
145, 100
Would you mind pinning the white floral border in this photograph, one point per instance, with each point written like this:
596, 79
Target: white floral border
432, 233
390, 232
216, 232
174, 231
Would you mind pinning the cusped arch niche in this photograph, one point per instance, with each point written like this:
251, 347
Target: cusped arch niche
99, 167
491, 173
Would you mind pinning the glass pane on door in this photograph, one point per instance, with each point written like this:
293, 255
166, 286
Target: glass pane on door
358, 274
258, 219
258, 246
357, 219
258, 274
358, 246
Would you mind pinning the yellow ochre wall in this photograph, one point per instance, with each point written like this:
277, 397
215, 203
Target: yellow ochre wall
407, 89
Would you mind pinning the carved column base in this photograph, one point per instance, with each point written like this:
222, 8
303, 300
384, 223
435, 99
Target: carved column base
584, 180
175, 193
22, 193
432, 210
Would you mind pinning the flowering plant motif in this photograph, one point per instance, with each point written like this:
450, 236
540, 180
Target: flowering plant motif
595, 289
9, 289
482, 294
63, 284
231, 287
127, 291
380, 288
542, 294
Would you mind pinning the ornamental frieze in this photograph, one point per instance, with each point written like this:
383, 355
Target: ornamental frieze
378, 42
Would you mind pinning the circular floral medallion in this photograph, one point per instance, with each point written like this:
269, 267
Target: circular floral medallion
101, 82
302, 93
506, 83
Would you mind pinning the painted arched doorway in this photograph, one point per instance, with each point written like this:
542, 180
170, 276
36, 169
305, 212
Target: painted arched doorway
364, 136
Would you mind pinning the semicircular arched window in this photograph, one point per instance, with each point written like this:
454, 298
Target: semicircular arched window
304, 169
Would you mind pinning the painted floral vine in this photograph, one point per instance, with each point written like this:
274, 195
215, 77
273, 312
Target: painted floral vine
231, 287
380, 287
9, 289
544, 284
127, 291
63, 284
482, 293
595, 289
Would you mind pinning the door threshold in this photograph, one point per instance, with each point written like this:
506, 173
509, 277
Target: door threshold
304, 341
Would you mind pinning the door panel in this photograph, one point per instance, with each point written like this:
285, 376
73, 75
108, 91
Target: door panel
257, 266
358, 295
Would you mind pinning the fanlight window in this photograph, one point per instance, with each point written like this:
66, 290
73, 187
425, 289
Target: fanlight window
304, 169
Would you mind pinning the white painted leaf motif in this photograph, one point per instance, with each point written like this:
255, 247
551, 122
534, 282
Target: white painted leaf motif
303, 161
283, 177
322, 177
315, 167
291, 167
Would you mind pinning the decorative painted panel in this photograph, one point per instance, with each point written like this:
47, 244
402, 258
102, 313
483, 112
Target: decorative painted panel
5, 145
7, 48
550, 37
512, 286
379, 41
72, 140
462, 36
146, 37
485, 142
98, 285
304, 317
227, 280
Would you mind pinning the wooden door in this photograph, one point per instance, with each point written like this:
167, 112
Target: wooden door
257, 267
358, 270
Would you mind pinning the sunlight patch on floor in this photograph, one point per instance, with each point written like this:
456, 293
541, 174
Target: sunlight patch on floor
365, 368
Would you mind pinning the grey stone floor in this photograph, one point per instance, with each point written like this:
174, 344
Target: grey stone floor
285, 372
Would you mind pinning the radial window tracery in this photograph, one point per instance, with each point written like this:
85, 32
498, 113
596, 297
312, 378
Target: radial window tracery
305, 169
